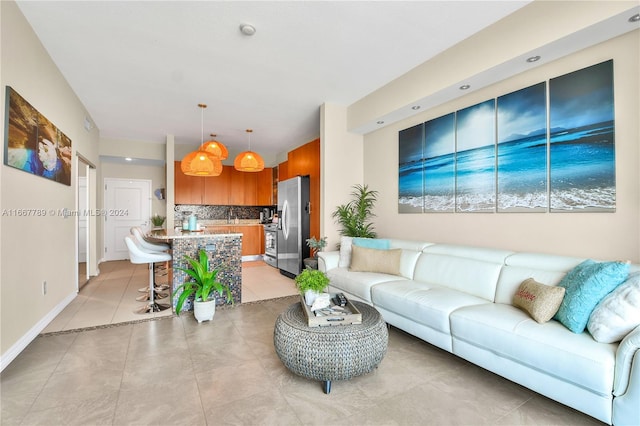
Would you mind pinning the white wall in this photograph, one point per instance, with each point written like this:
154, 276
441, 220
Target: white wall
35, 249
598, 235
341, 162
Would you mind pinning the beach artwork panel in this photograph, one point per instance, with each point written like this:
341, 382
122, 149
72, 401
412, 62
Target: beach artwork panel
522, 150
410, 169
582, 145
34, 144
439, 164
476, 158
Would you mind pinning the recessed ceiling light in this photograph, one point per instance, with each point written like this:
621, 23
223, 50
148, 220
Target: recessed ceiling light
379, 122
415, 107
533, 59
128, 159
247, 29
635, 18
464, 87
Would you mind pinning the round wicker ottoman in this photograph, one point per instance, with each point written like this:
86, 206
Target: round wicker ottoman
330, 353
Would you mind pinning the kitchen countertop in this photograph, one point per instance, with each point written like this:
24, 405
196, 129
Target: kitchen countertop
170, 234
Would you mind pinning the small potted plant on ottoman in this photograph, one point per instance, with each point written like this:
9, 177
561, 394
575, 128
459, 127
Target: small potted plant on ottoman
311, 282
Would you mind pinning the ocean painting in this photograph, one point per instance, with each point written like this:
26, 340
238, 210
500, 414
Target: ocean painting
476, 158
582, 148
439, 164
410, 169
522, 150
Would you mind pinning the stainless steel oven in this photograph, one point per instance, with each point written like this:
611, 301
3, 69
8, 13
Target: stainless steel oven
271, 244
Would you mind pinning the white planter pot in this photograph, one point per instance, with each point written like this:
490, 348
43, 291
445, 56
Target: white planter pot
310, 296
204, 311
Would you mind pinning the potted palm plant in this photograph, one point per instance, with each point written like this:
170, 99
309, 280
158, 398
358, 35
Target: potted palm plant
355, 216
315, 246
310, 283
204, 287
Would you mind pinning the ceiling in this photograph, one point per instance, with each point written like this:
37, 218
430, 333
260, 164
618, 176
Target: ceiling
142, 67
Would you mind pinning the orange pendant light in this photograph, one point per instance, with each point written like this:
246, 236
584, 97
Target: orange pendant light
201, 162
249, 161
217, 149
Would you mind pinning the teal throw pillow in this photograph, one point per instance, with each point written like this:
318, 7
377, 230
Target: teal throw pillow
372, 243
586, 285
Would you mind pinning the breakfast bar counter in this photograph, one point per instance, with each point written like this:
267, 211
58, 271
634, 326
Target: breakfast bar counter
223, 249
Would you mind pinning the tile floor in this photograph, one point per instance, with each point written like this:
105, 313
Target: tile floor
110, 298
174, 371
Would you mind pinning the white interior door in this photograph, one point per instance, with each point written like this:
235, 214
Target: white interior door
127, 203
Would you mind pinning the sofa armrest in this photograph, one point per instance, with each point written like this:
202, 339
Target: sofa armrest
328, 260
624, 360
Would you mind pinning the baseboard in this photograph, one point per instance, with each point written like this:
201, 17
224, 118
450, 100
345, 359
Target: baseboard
23, 342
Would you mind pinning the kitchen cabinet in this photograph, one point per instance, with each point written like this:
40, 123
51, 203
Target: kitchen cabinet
265, 187
230, 188
188, 189
252, 236
216, 189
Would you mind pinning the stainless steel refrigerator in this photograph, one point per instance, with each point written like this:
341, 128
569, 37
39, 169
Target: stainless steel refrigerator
293, 224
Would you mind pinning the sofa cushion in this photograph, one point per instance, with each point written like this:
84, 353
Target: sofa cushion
424, 303
372, 260
538, 300
472, 276
357, 283
544, 268
618, 313
373, 243
509, 332
586, 285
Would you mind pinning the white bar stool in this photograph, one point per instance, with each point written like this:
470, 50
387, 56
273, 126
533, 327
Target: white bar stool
139, 256
146, 245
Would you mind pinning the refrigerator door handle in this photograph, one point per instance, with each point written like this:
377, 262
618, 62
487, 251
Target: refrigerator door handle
285, 219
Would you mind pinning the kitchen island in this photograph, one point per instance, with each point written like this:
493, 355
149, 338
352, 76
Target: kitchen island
223, 249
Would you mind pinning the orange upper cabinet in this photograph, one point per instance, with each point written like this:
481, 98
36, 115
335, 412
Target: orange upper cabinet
188, 189
265, 187
216, 188
231, 187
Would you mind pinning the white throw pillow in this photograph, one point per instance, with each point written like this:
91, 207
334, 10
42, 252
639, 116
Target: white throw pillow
345, 252
618, 313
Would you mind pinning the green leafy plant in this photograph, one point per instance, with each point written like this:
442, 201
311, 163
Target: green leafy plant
311, 279
157, 220
316, 245
355, 216
205, 282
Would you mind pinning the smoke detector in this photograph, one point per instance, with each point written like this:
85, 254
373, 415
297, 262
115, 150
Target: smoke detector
247, 29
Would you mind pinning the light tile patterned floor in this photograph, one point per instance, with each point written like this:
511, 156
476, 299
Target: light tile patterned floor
110, 298
174, 371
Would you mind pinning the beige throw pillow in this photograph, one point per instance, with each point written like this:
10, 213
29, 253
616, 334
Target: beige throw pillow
538, 300
372, 260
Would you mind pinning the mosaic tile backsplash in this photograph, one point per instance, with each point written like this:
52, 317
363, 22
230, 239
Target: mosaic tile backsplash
218, 212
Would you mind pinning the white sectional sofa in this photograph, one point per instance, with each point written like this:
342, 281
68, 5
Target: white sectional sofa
459, 298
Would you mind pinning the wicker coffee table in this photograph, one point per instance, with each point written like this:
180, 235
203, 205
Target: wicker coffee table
330, 353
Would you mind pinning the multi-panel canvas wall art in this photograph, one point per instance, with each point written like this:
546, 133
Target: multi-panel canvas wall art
547, 147
522, 150
476, 158
439, 164
410, 174
582, 154
33, 144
